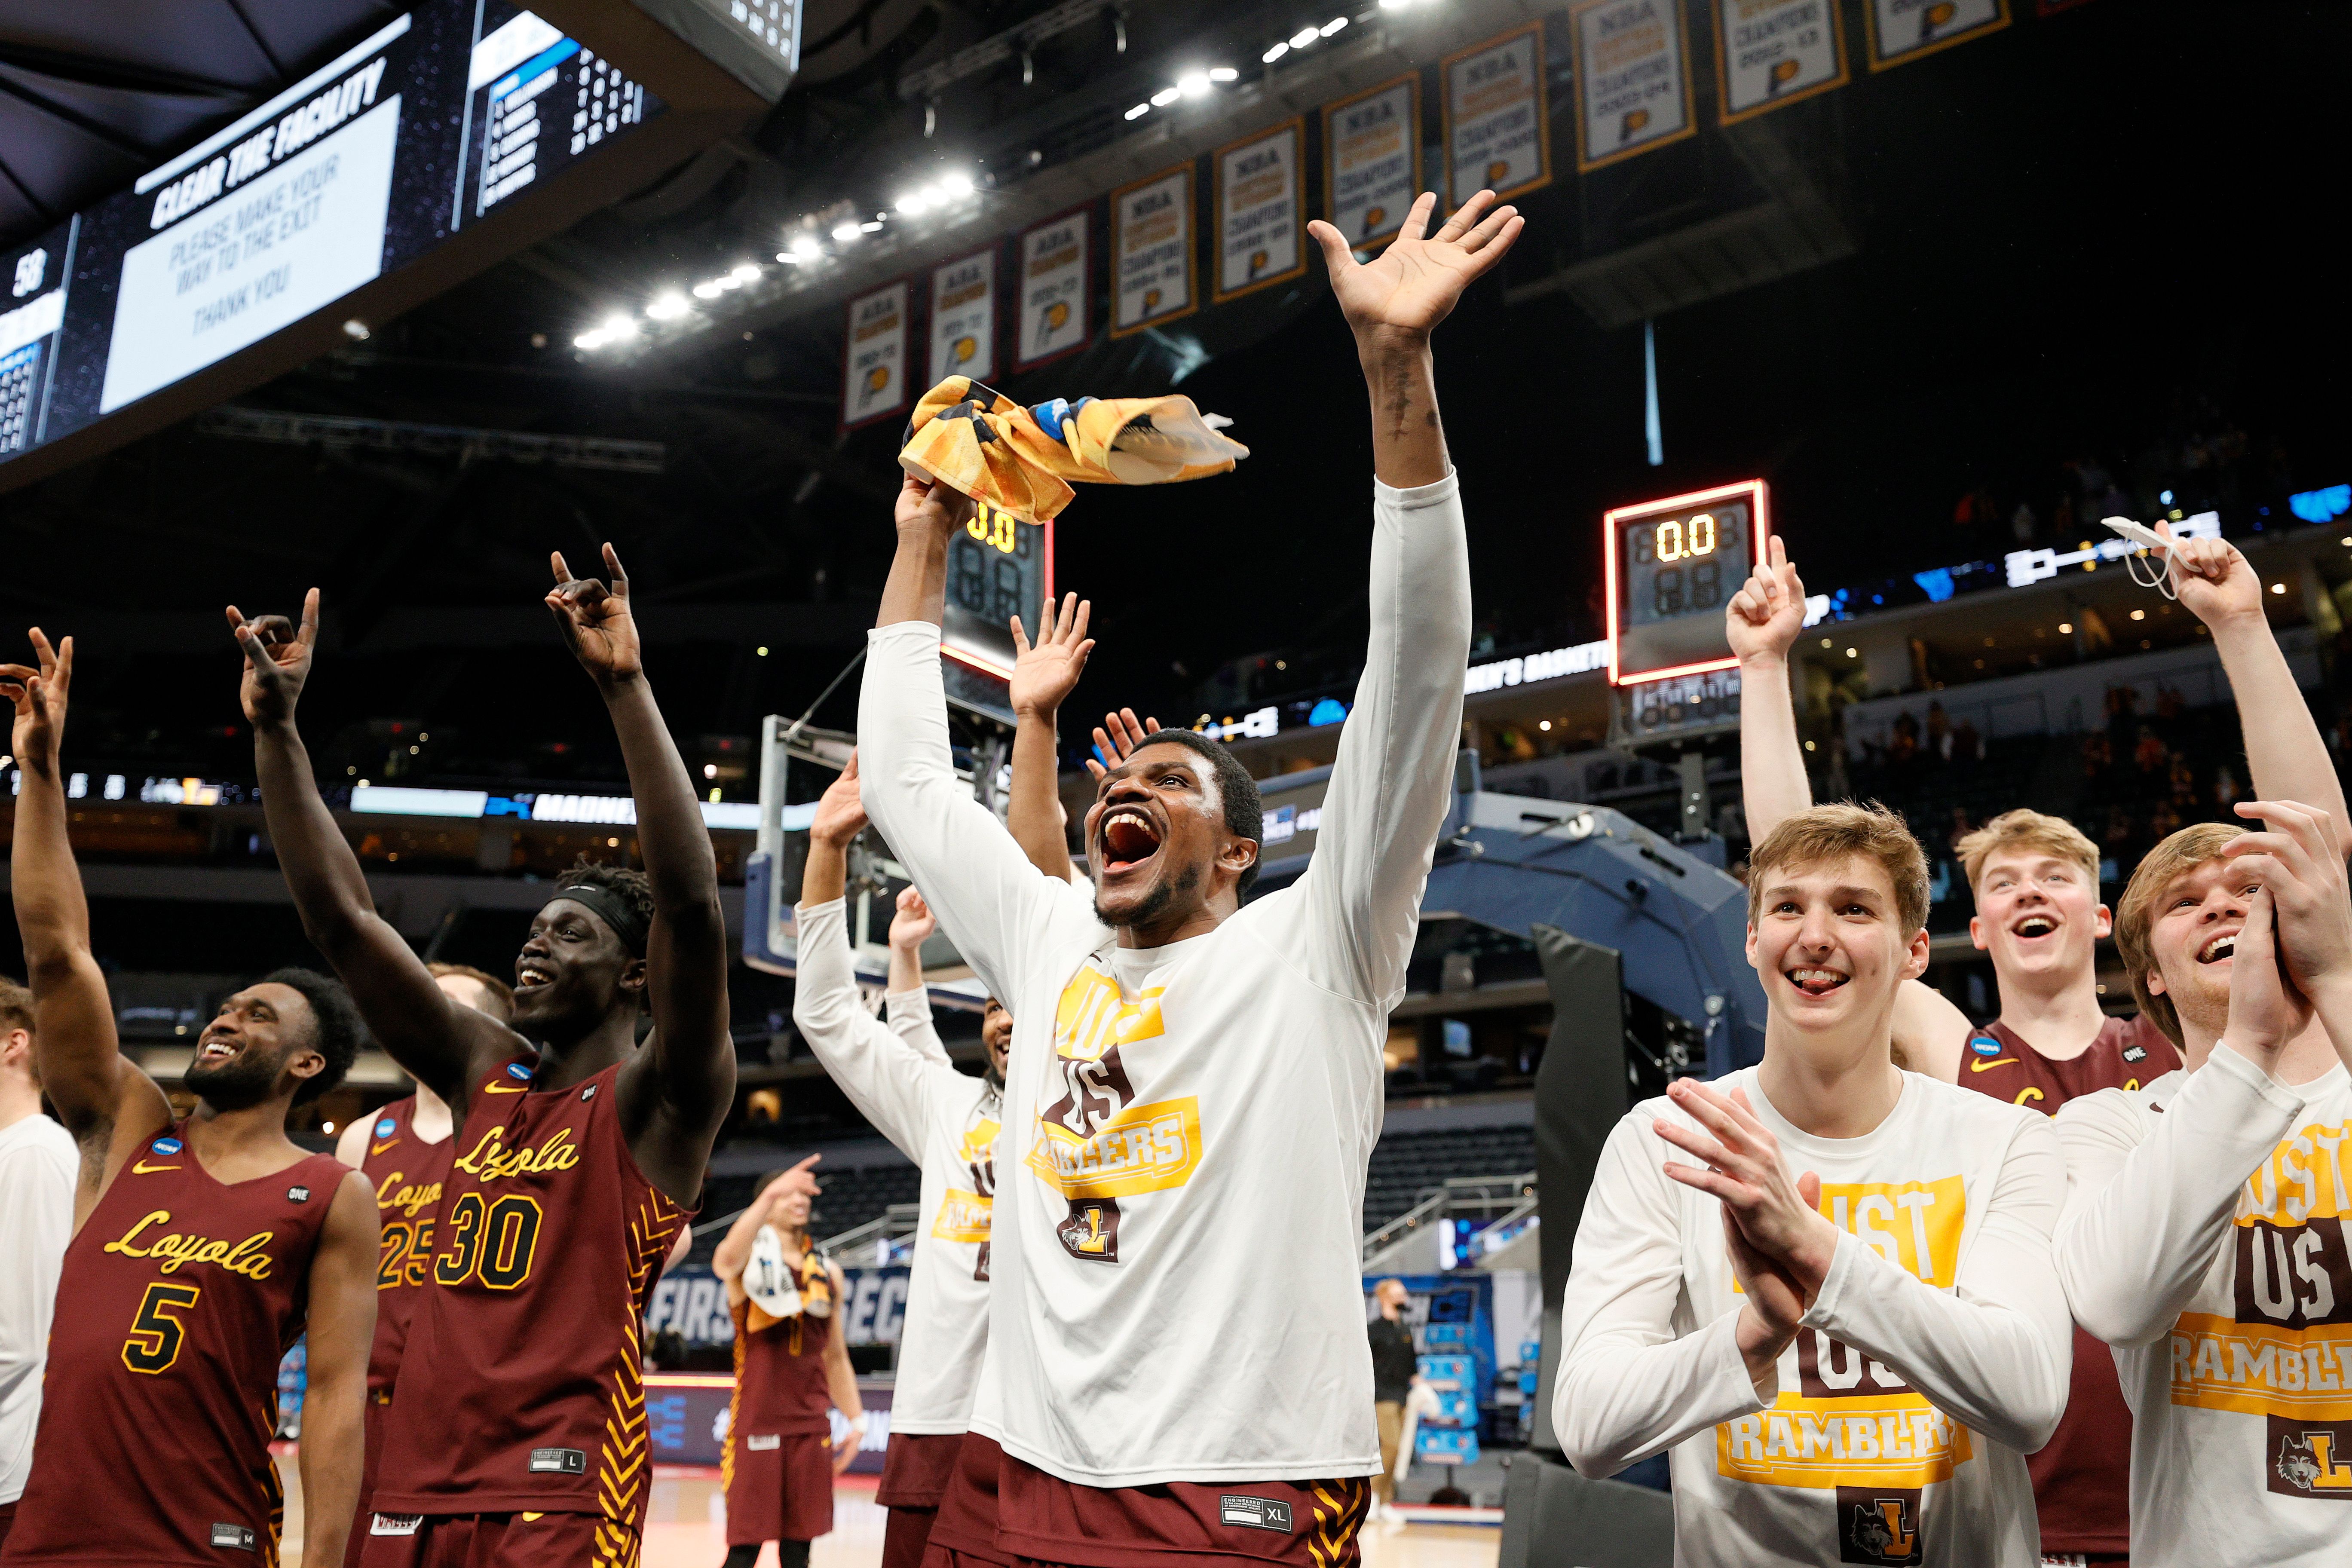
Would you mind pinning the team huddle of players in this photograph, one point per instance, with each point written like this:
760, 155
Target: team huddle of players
1866, 1310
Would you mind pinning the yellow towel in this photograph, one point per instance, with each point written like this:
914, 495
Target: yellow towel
1022, 460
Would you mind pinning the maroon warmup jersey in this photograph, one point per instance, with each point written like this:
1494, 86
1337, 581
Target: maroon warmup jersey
776, 1464
408, 1174
180, 1295
521, 1384
2082, 1481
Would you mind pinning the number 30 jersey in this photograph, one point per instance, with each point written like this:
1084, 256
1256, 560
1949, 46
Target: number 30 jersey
520, 1386
180, 1296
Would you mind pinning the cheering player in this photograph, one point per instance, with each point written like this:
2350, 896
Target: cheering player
2205, 1238
403, 1151
1825, 1285
518, 1432
201, 1248
1194, 1087
900, 1079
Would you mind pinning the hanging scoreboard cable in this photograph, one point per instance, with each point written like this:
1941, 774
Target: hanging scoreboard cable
1673, 565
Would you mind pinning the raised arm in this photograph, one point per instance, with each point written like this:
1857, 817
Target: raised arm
437, 1040
341, 1327
1392, 779
1763, 622
907, 1002
106, 1102
2284, 750
733, 1254
1044, 673
676, 1091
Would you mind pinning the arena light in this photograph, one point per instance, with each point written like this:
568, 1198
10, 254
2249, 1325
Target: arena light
1281, 48
1304, 36
1333, 26
957, 184
746, 272
1193, 84
1165, 96
873, 225
845, 232
667, 307
1224, 74
1138, 111
620, 327
914, 204
806, 248
707, 291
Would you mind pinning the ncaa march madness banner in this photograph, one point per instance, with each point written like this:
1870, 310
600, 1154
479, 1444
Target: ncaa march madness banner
963, 317
1632, 79
1055, 316
1771, 52
1259, 225
1902, 31
1371, 159
1495, 107
1152, 251
874, 360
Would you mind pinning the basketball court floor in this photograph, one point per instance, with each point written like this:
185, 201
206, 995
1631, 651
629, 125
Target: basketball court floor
685, 1526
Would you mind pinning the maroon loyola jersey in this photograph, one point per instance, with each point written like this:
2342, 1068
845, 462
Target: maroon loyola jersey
408, 1174
178, 1298
2082, 1481
521, 1388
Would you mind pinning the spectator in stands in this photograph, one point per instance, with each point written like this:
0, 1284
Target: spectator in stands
38, 1164
1939, 731
1393, 1365
2098, 760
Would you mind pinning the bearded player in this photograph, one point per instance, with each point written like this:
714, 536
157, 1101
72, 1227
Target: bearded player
403, 1151
518, 1431
201, 1247
1194, 1087
2205, 1236
901, 1080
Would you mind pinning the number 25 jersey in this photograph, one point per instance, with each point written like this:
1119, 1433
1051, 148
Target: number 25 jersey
520, 1387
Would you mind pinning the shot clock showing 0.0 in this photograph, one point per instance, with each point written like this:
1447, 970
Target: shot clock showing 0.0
1673, 565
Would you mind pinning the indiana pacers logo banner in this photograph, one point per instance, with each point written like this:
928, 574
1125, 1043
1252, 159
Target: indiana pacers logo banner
1902, 31
874, 360
1152, 251
1371, 159
1259, 225
1632, 79
963, 317
1055, 310
1768, 53
1494, 110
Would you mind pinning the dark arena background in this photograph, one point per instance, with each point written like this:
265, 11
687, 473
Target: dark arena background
394, 301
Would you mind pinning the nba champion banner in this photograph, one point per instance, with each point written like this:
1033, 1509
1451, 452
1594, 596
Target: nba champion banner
1371, 159
1771, 52
1053, 302
1152, 251
1259, 228
1632, 79
1495, 109
1902, 31
963, 317
874, 360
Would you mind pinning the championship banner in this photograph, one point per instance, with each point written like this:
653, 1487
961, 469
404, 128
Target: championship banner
963, 317
1771, 52
1152, 251
1260, 227
1371, 159
874, 360
1496, 111
1902, 31
1632, 79
1054, 316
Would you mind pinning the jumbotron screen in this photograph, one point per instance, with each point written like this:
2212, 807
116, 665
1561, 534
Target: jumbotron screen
1673, 565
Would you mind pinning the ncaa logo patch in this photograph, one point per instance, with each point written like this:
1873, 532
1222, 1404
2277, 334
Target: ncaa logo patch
519, 1072
167, 1145
1985, 1046
387, 1128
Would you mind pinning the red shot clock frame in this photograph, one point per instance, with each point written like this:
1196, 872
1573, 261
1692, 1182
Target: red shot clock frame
1673, 565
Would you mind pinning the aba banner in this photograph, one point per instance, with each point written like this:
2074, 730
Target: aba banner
1632, 79
963, 317
1152, 251
1053, 289
1260, 227
1496, 110
1771, 52
874, 362
1905, 30
1371, 159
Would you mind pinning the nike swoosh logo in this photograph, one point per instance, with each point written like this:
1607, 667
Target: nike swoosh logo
1977, 1064
380, 1148
502, 1088
142, 1167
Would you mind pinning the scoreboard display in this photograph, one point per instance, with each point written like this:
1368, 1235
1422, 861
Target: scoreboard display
1673, 565
998, 567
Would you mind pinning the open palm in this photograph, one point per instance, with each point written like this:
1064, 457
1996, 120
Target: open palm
1045, 671
1412, 285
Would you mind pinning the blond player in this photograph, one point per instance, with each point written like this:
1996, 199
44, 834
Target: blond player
1823, 1284
2205, 1236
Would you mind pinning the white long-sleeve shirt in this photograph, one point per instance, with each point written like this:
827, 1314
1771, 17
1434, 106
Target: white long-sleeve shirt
1934, 1359
1179, 1292
899, 1075
2204, 1240
38, 1164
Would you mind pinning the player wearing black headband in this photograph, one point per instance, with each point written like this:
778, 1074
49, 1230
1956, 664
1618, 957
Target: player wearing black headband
519, 1433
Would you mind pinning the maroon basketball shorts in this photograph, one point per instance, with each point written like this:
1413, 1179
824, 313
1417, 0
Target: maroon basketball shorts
497, 1540
963, 1531
1043, 1520
916, 1469
781, 1488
